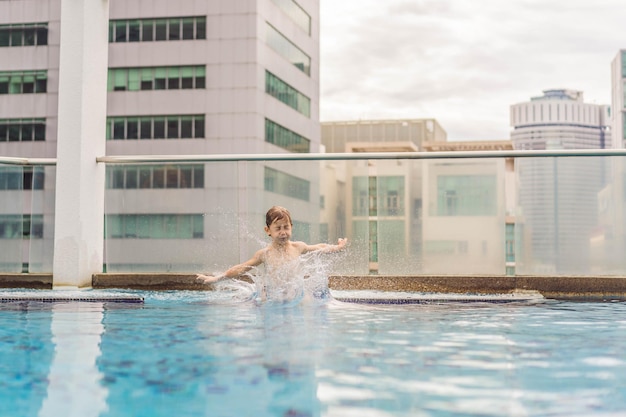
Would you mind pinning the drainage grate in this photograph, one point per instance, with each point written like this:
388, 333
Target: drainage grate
432, 300
71, 296
381, 297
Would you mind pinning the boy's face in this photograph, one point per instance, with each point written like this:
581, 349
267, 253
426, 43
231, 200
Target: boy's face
279, 231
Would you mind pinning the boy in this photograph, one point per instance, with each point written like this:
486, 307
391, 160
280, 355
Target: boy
280, 252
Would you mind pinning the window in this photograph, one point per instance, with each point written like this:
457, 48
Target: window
21, 226
188, 28
156, 127
391, 192
160, 27
21, 178
510, 242
149, 30
22, 130
134, 31
153, 78
28, 34
120, 32
378, 196
174, 29
466, 195
285, 138
172, 128
285, 48
154, 226
373, 241
295, 13
286, 184
23, 82
154, 176
360, 196
279, 89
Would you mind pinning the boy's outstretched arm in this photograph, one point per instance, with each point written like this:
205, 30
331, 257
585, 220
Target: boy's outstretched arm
327, 248
233, 272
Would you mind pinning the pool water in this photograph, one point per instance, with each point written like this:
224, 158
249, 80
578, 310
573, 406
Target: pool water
203, 354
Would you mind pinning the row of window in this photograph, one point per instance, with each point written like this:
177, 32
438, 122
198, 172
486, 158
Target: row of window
287, 49
156, 78
23, 82
148, 30
154, 226
295, 13
21, 226
24, 34
285, 138
286, 184
117, 226
155, 176
151, 127
282, 91
155, 127
22, 130
21, 178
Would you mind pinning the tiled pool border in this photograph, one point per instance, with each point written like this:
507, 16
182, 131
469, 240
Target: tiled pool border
583, 288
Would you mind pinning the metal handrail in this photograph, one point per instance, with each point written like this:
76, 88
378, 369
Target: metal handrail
7, 160
124, 159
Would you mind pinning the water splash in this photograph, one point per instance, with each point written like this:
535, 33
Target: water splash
302, 280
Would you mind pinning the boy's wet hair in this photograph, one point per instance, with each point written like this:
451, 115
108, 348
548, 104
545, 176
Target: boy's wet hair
277, 213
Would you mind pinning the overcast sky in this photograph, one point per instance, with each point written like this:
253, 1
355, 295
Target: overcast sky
463, 62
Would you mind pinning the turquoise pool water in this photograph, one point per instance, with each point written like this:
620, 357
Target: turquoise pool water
199, 354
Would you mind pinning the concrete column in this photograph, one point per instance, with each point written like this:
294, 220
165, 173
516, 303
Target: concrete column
79, 205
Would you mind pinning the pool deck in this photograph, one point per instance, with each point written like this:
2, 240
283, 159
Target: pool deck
582, 288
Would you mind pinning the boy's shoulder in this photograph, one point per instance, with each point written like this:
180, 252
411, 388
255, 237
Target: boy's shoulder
300, 246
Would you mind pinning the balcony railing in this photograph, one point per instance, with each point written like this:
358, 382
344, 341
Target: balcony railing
446, 213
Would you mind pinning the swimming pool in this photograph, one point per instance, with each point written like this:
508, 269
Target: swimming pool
201, 354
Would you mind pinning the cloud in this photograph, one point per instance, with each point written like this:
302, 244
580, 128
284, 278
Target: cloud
463, 63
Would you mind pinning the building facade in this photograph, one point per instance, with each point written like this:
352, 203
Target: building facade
184, 78
441, 216
381, 199
558, 198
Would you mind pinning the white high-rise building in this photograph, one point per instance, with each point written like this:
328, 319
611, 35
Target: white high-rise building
557, 197
185, 77
559, 119
618, 101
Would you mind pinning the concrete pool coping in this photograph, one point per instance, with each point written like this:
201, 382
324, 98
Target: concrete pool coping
583, 288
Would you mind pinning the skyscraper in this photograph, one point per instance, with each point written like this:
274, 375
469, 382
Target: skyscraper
558, 198
184, 77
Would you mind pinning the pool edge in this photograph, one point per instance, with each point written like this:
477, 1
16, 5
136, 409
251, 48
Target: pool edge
583, 288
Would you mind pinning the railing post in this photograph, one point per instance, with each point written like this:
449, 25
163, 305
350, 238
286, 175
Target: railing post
79, 205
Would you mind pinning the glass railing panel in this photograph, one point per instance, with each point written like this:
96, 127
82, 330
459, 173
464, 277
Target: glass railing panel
395, 218
42, 180
471, 216
13, 200
570, 217
463, 221
356, 193
314, 193
178, 217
